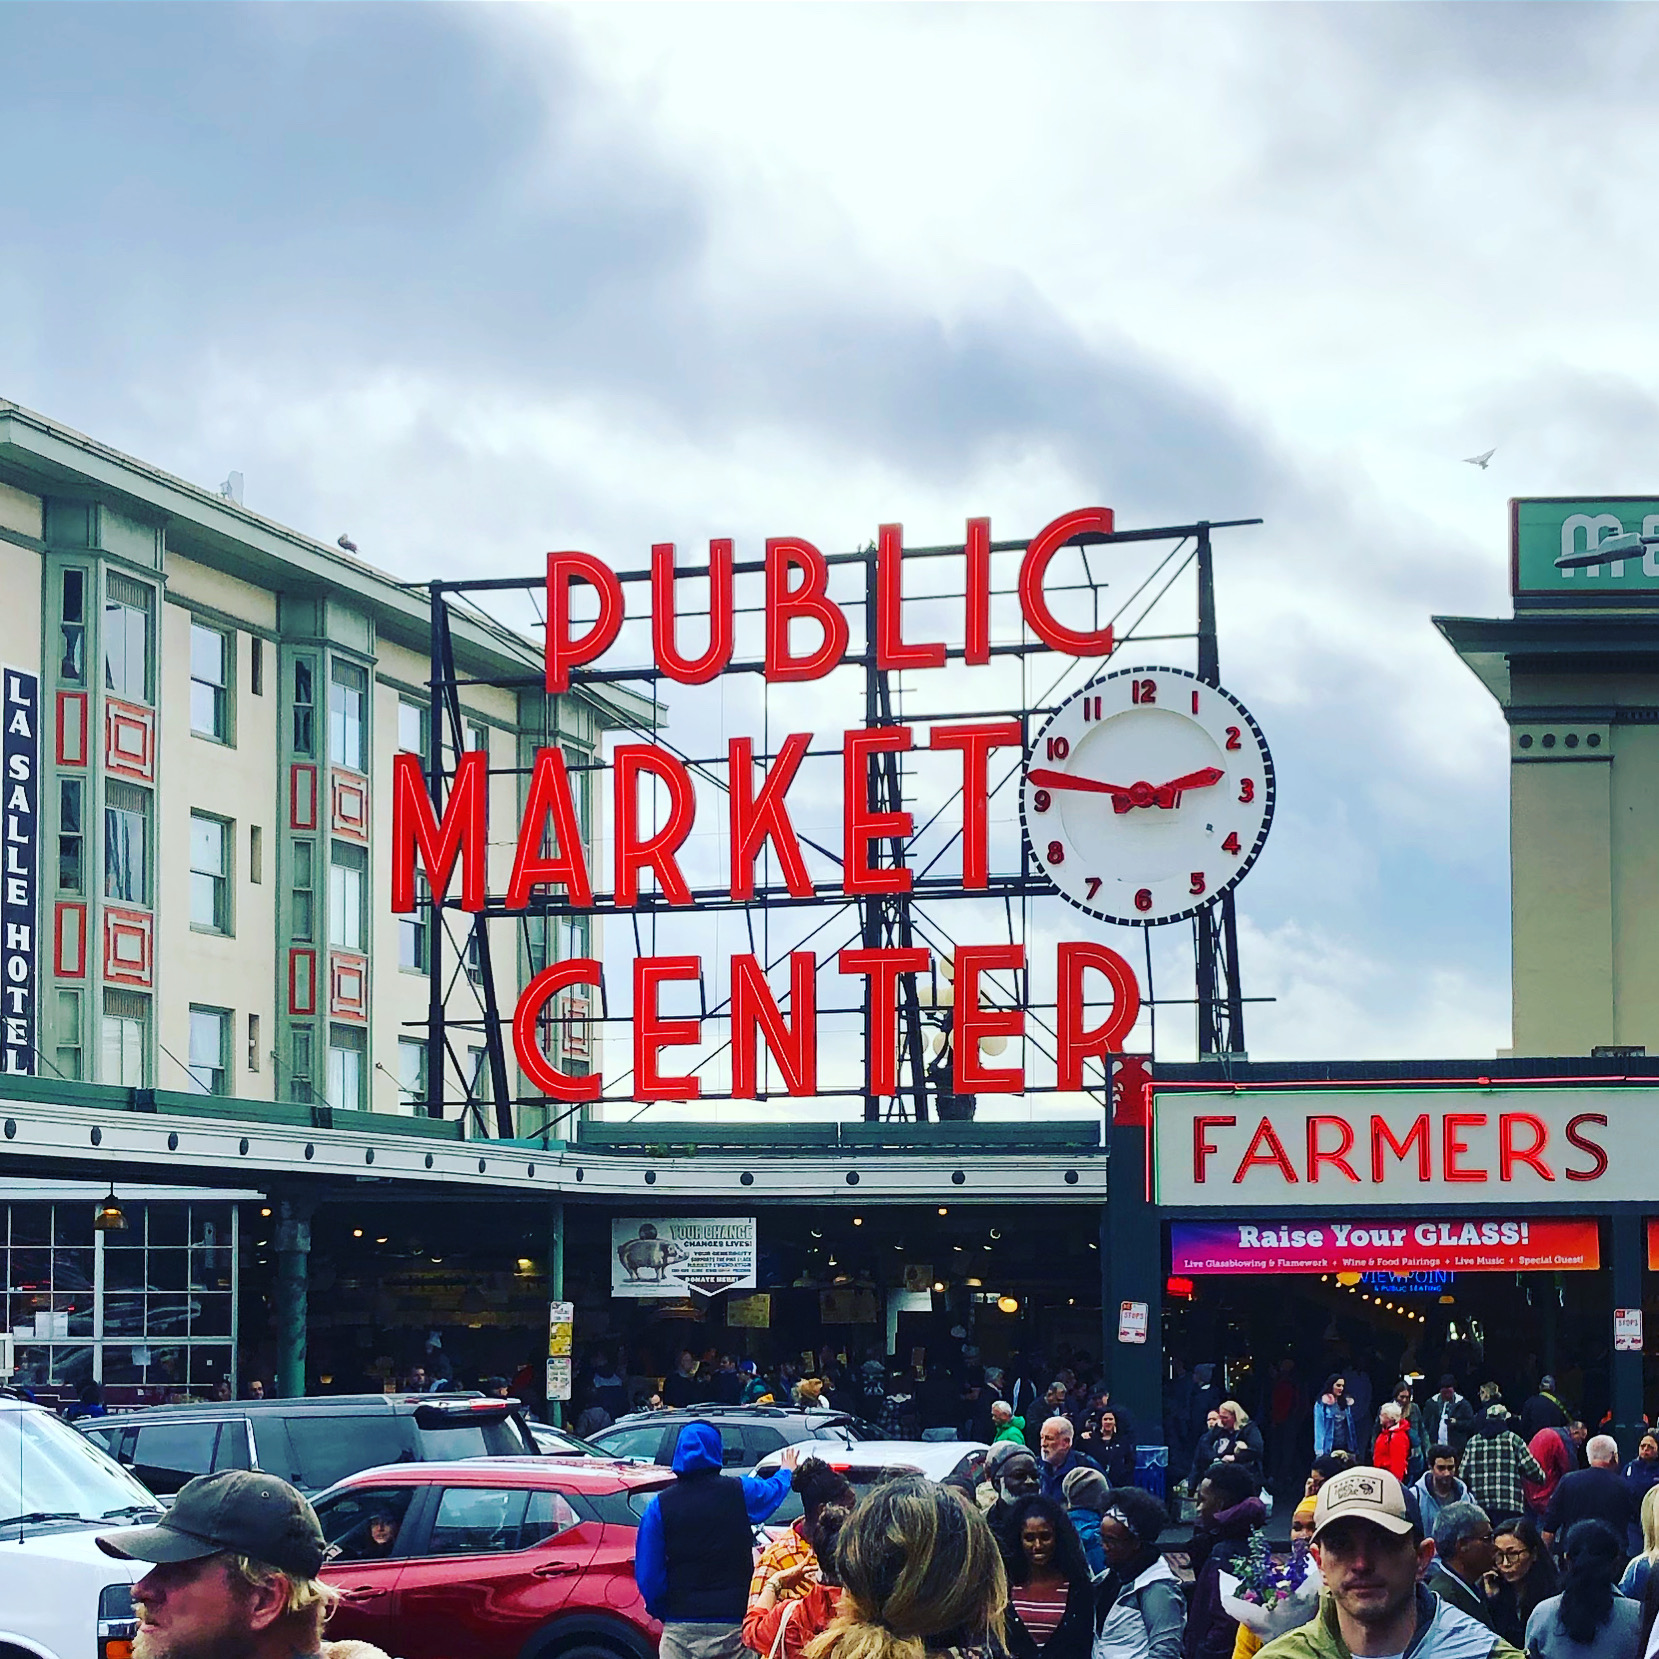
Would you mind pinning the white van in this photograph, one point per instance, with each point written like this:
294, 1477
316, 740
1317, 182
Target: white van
61, 1597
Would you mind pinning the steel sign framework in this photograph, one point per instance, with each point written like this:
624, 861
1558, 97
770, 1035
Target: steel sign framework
917, 871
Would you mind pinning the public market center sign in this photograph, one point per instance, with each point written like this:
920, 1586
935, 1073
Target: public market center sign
550, 854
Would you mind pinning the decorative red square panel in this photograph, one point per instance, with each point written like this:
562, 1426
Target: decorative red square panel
350, 814
348, 986
129, 940
130, 741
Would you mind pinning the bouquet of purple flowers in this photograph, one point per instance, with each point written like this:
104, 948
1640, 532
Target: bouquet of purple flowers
1272, 1594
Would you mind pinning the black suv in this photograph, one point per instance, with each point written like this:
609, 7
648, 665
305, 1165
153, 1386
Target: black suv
311, 1442
747, 1433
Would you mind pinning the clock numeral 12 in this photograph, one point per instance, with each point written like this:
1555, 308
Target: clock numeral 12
1143, 691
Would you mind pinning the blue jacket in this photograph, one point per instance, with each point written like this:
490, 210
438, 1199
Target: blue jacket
1087, 1522
1051, 1476
1324, 1429
698, 1448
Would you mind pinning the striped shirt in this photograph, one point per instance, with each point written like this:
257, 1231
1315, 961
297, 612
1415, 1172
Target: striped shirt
1040, 1608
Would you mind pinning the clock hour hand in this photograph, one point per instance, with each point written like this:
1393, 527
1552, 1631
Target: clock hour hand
1169, 794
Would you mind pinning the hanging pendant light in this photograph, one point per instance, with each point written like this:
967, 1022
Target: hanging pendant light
111, 1218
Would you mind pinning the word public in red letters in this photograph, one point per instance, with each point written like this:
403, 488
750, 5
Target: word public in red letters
550, 857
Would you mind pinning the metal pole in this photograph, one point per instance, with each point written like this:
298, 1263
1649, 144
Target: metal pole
436, 1043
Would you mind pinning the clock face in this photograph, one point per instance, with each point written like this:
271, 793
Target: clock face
1147, 795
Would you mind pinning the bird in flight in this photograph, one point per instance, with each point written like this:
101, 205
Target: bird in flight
347, 543
1482, 460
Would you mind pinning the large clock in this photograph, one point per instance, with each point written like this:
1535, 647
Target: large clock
1147, 795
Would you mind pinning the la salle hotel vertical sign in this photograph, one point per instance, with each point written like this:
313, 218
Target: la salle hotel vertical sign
19, 878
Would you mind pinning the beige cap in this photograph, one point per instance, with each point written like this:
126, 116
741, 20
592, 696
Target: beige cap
1363, 1494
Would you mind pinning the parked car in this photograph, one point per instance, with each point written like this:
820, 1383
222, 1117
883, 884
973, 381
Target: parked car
61, 1597
747, 1433
311, 1441
498, 1558
552, 1442
870, 1462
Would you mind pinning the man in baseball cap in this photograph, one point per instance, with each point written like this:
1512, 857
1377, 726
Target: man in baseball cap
1371, 1552
233, 1572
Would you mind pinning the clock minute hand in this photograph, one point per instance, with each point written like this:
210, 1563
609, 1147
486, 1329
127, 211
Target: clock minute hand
1044, 778
1123, 800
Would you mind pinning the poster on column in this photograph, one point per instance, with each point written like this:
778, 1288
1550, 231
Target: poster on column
669, 1256
20, 764
1405, 1245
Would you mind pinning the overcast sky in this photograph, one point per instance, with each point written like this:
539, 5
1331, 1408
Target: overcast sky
470, 283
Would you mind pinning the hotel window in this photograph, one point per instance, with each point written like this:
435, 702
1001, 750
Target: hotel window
209, 1043
126, 1018
300, 1070
305, 881
411, 1070
71, 836
345, 1068
72, 670
413, 724
209, 682
305, 699
347, 690
126, 842
478, 737
127, 607
69, 1035
346, 877
411, 929
209, 873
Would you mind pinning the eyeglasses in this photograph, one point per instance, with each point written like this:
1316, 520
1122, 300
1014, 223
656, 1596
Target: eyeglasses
1511, 1556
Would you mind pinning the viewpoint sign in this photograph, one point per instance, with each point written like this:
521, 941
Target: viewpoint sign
1545, 529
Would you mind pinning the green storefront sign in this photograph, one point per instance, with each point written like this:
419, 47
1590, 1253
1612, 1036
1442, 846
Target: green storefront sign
1543, 528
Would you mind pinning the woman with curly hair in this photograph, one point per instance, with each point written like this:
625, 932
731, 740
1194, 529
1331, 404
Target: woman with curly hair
1051, 1591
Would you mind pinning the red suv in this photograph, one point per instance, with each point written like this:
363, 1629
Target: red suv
499, 1558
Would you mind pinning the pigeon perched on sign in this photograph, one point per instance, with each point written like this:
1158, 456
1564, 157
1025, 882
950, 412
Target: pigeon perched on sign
347, 543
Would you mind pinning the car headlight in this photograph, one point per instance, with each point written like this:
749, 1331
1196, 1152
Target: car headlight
117, 1622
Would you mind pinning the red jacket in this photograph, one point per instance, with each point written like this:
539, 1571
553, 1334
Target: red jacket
1393, 1451
1550, 1448
807, 1616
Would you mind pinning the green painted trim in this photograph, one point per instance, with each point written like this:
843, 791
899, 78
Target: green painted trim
222, 619
48, 1091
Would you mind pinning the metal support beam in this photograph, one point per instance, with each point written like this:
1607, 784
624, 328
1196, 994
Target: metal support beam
293, 1254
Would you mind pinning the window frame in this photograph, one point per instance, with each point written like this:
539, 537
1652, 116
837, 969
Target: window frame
223, 924
357, 1048
72, 842
222, 729
343, 862
412, 1096
116, 791
349, 680
146, 614
223, 1020
131, 1024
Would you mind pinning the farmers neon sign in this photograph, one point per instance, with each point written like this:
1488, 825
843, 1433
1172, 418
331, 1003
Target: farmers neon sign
549, 853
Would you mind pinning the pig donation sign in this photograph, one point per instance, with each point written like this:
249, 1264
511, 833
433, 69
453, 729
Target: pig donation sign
550, 870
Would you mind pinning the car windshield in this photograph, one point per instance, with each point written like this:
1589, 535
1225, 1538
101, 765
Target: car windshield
49, 1471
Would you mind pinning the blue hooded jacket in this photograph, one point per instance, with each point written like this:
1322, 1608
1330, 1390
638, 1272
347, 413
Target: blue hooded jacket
698, 1450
